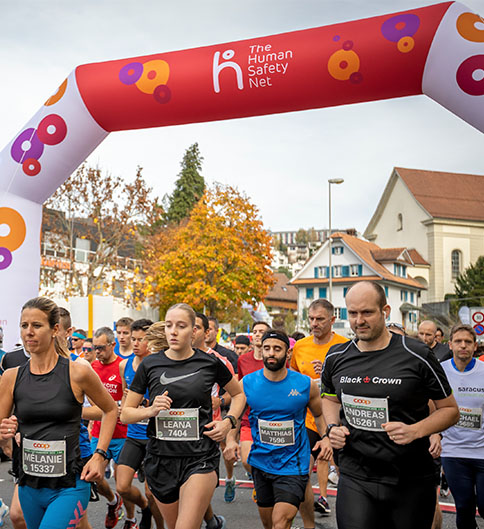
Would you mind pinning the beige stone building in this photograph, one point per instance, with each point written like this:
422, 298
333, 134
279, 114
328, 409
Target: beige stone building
439, 214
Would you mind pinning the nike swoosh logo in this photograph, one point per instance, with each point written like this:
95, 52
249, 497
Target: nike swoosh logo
165, 380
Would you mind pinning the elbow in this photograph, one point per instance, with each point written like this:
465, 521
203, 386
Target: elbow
455, 416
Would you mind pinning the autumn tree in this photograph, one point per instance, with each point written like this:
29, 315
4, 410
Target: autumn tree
92, 225
215, 260
469, 286
189, 187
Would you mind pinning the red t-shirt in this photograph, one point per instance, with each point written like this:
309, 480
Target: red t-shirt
111, 379
217, 414
245, 365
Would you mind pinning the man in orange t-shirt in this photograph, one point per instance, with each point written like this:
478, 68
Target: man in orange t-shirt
308, 358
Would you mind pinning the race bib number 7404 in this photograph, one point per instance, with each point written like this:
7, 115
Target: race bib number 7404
365, 413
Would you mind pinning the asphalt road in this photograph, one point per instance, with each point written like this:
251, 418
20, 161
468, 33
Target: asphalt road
241, 514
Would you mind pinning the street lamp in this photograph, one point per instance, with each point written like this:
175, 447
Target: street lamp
331, 181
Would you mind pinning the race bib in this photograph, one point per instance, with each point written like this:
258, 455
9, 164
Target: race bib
365, 413
276, 433
46, 459
177, 425
470, 418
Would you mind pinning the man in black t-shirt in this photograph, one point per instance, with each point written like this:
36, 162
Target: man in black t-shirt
376, 390
427, 332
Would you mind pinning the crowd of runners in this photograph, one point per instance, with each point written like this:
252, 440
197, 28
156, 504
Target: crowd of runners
392, 420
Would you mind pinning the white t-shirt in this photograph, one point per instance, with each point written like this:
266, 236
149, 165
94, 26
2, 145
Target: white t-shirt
466, 439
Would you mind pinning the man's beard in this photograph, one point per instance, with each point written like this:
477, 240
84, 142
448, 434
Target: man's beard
279, 364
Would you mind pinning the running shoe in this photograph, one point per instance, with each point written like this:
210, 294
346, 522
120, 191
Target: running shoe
254, 496
444, 486
145, 519
321, 505
220, 521
3, 512
129, 524
229, 494
333, 476
114, 513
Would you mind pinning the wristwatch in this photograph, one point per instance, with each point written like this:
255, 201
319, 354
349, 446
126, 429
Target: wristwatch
328, 429
101, 453
232, 419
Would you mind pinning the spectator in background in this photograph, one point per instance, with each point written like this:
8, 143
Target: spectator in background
298, 335
242, 344
439, 335
426, 333
211, 341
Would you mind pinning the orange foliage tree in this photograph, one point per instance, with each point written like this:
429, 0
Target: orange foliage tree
214, 260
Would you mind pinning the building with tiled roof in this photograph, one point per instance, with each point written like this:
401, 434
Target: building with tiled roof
353, 260
438, 214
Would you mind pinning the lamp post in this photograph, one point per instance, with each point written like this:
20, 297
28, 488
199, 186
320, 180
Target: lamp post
331, 181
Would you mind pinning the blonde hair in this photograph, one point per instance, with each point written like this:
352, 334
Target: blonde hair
51, 310
156, 337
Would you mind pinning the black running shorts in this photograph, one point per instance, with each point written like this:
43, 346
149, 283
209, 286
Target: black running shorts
165, 475
272, 488
133, 452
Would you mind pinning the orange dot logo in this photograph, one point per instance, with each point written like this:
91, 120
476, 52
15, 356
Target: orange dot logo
15, 237
150, 78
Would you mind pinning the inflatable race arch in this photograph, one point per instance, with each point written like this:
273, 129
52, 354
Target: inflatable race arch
436, 50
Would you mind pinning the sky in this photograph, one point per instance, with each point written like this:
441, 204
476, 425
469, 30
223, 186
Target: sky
282, 162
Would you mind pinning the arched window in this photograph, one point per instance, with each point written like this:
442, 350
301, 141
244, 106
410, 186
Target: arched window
399, 222
455, 262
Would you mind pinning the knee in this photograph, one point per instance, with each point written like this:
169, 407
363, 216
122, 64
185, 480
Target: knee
123, 487
17, 516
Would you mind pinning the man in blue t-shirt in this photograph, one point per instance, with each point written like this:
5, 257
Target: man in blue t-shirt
278, 400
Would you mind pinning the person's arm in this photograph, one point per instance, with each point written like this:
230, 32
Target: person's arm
218, 430
122, 367
232, 449
315, 407
132, 411
8, 422
331, 409
445, 416
90, 384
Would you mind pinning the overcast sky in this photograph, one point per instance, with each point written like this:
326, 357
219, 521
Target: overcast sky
281, 162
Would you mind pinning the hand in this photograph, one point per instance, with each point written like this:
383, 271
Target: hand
337, 436
94, 469
231, 451
325, 446
435, 447
317, 366
160, 402
8, 427
218, 430
400, 433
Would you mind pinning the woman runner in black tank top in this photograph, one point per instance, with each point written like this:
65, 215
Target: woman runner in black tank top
46, 396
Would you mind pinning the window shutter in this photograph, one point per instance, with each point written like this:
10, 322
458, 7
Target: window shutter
316, 272
322, 292
360, 270
344, 314
346, 271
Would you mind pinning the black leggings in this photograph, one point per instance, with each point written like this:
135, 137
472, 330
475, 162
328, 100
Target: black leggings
368, 505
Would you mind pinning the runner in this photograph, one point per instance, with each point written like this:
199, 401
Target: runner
182, 453
248, 363
107, 368
307, 358
376, 391
279, 457
134, 448
47, 393
199, 340
463, 444
124, 347
242, 345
